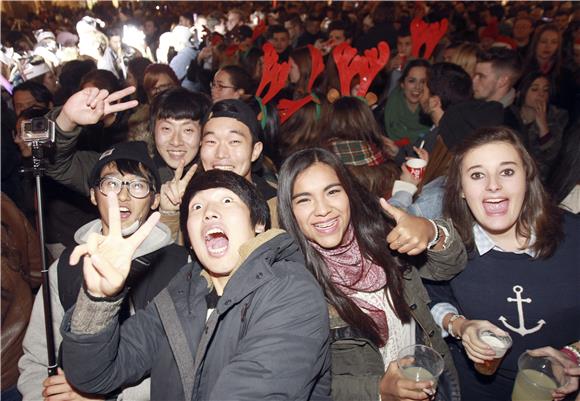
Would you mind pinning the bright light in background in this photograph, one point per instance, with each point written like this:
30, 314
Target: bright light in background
133, 36
504, 2
157, 7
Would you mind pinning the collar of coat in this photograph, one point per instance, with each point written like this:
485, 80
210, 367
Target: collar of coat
246, 250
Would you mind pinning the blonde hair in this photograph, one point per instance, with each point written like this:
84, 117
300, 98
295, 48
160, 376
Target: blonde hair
465, 56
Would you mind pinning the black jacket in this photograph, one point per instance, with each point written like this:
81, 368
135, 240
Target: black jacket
267, 337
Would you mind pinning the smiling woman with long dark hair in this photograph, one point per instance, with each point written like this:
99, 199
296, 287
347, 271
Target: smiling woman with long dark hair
377, 303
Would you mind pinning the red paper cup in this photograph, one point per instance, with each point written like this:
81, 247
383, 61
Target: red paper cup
416, 167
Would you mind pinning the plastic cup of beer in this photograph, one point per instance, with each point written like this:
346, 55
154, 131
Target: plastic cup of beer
500, 344
420, 363
537, 378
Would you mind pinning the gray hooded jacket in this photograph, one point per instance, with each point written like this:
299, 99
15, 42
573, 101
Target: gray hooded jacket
33, 364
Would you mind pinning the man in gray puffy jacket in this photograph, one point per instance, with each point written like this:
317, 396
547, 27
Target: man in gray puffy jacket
248, 322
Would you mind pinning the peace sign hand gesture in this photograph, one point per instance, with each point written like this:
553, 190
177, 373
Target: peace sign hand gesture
172, 191
107, 258
89, 105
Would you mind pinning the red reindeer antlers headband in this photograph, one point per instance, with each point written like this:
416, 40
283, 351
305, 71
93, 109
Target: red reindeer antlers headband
366, 67
286, 107
273, 73
426, 34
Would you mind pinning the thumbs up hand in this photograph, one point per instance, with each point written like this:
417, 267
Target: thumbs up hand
412, 234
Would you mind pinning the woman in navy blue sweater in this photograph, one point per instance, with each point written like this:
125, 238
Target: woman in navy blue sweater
523, 274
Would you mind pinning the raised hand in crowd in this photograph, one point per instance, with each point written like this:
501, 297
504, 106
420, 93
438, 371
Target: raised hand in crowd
172, 191
57, 388
107, 258
541, 117
90, 105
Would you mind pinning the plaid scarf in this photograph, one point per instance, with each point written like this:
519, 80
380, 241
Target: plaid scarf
351, 272
357, 153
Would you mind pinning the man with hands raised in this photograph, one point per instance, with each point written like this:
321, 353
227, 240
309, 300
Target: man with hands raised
247, 322
174, 124
124, 186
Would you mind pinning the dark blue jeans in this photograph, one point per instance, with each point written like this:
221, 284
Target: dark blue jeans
11, 394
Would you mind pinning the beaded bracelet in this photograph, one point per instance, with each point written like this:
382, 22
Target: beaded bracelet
573, 353
435, 240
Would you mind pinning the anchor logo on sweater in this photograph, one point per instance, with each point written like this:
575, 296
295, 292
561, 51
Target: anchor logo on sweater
518, 289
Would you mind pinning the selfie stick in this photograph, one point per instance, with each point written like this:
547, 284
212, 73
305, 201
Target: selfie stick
37, 170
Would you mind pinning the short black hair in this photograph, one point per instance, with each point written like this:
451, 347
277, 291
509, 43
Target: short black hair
102, 79
38, 91
340, 25
505, 60
180, 104
293, 18
451, 83
313, 18
248, 193
404, 31
244, 32
186, 16
276, 29
33, 112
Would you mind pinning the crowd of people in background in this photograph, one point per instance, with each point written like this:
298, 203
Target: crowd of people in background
317, 106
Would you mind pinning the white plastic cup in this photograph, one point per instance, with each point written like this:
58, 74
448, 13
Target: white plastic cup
500, 345
420, 363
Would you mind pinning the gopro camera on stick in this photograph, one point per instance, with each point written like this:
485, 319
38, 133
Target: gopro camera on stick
39, 130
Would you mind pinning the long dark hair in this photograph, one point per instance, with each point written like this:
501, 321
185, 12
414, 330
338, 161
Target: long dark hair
418, 62
531, 63
370, 228
538, 214
303, 60
352, 119
525, 85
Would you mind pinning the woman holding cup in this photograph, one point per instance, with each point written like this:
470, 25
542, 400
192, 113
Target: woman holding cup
377, 303
522, 276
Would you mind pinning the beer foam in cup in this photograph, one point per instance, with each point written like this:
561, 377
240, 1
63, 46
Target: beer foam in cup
416, 167
500, 344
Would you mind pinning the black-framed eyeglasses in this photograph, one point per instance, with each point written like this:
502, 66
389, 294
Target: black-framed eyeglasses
137, 188
219, 86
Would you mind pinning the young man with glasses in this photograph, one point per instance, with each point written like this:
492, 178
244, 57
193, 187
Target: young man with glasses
127, 172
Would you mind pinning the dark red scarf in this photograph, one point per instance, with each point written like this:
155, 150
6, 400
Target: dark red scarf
351, 272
